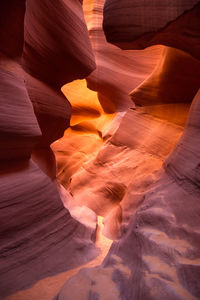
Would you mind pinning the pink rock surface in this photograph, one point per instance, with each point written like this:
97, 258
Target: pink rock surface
128, 160
117, 72
38, 236
159, 87
60, 51
168, 92
156, 254
51, 108
184, 163
19, 130
141, 174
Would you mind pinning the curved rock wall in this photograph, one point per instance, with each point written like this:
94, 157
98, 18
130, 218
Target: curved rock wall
129, 25
144, 180
117, 72
38, 236
98, 108
156, 253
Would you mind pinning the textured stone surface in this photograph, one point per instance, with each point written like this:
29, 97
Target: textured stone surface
51, 108
156, 253
60, 51
142, 183
129, 25
176, 79
19, 130
36, 231
184, 163
97, 111
12, 27
128, 158
168, 92
117, 72
38, 236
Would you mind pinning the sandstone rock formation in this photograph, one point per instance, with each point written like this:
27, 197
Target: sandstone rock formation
38, 235
97, 111
156, 253
63, 52
117, 71
124, 158
129, 25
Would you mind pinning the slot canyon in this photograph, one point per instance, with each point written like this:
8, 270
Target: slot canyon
100, 150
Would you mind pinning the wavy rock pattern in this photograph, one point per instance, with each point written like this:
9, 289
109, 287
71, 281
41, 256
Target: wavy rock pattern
156, 254
184, 163
51, 108
144, 181
117, 72
171, 23
62, 43
156, 93
38, 236
98, 109
20, 135
36, 231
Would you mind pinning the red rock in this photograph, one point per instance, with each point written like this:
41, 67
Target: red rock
184, 162
159, 87
151, 211
36, 230
45, 159
12, 27
156, 254
56, 52
132, 26
38, 236
117, 72
19, 130
169, 90
51, 108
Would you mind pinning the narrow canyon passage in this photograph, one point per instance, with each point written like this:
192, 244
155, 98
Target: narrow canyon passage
99, 150
47, 288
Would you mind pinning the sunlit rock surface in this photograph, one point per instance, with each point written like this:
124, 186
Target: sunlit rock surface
171, 87
155, 254
98, 109
117, 72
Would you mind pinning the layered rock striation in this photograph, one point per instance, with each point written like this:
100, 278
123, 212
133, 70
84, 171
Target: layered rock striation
38, 236
130, 25
156, 252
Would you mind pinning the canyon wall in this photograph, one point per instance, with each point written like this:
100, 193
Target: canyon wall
99, 105
125, 147
155, 223
38, 236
